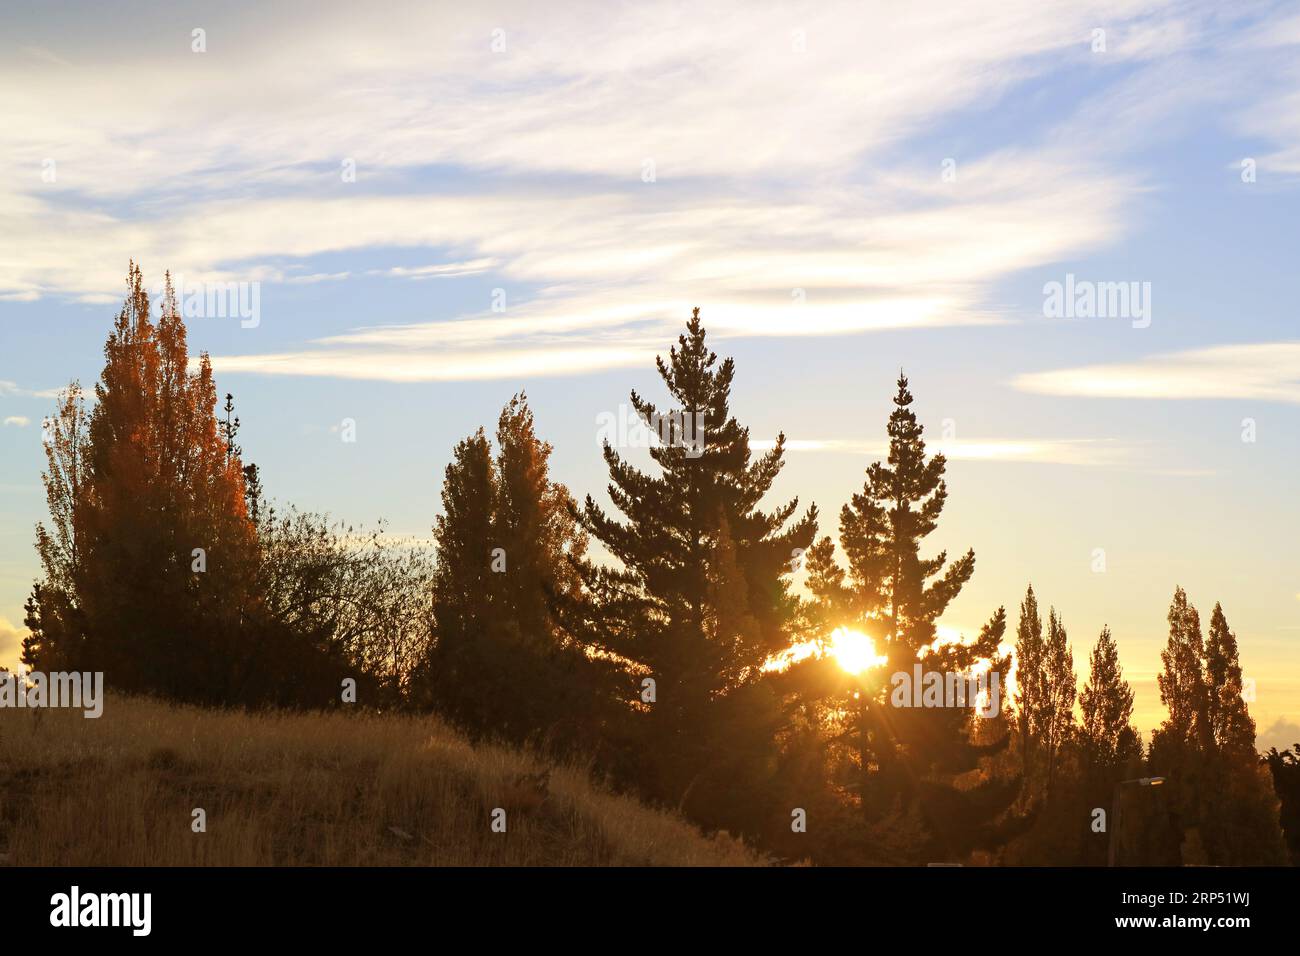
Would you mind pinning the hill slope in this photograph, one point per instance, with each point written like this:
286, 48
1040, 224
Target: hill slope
306, 789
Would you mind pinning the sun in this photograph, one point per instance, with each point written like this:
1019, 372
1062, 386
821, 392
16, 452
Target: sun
854, 651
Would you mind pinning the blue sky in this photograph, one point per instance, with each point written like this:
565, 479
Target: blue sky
843, 190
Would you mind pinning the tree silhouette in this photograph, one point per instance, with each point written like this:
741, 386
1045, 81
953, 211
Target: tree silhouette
1285, 768
499, 663
895, 595
698, 600
1030, 671
1223, 797
1109, 739
1060, 692
1229, 718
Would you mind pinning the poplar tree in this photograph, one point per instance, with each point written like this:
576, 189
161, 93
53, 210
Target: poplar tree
466, 594
499, 662
1029, 653
150, 553
1182, 679
1110, 741
1231, 725
1222, 795
1060, 691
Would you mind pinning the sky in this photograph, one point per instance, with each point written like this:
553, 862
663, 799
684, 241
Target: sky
438, 205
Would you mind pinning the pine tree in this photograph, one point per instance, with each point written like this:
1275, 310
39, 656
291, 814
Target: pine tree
881, 532
895, 596
698, 600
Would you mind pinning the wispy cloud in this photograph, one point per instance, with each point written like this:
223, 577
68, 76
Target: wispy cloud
8, 388
433, 366
611, 167
1040, 451
18, 421
1267, 371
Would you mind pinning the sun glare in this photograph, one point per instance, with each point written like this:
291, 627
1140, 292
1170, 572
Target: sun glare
854, 651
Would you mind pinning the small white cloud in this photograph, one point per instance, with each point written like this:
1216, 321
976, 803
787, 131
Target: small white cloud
448, 270
1282, 734
18, 421
11, 641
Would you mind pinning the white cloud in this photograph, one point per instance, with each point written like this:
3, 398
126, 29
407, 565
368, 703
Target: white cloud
448, 270
774, 132
1041, 451
13, 388
434, 366
1267, 371
19, 421
1283, 734
11, 641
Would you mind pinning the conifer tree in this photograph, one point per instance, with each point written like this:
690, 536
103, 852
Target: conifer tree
894, 595
698, 599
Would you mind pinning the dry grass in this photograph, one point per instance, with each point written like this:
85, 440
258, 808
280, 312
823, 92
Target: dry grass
307, 789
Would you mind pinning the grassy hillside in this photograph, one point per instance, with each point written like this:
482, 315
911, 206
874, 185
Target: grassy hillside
310, 789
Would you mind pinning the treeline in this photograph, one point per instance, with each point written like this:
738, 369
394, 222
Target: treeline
663, 655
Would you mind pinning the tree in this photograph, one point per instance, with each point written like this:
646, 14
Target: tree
1110, 750
149, 556
1110, 741
894, 595
1029, 678
1223, 797
162, 569
1229, 718
533, 522
466, 596
697, 600
1285, 768
499, 662
1182, 681
1060, 691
